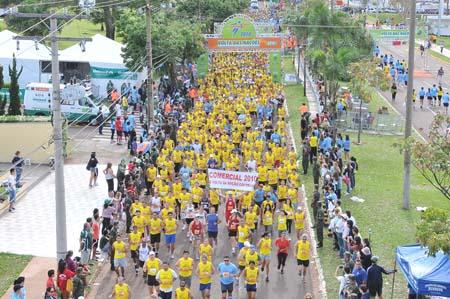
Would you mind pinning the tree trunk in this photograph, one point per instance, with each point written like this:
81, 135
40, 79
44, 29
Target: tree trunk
109, 23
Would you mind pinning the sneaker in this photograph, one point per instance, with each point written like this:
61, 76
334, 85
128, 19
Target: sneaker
267, 279
299, 273
282, 271
184, 227
11, 210
278, 267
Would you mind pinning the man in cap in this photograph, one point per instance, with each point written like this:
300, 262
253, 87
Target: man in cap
375, 278
319, 224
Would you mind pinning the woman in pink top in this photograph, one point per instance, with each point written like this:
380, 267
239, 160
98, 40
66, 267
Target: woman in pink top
95, 235
119, 129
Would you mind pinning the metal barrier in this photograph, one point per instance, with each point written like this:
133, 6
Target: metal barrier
370, 122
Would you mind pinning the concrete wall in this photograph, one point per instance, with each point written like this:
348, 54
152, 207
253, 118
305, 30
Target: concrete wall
26, 137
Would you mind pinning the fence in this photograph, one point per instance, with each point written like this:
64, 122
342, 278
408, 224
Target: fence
377, 123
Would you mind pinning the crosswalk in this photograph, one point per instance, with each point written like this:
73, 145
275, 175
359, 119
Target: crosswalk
106, 136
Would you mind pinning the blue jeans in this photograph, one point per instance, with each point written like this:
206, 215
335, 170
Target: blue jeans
12, 195
18, 175
341, 245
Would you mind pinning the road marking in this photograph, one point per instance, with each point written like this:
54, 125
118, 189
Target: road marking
434, 113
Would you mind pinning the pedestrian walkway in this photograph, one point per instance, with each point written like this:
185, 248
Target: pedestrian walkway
436, 48
311, 95
31, 228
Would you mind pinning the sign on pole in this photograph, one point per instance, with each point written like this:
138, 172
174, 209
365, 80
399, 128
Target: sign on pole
232, 180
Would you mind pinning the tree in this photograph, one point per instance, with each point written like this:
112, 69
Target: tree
334, 41
2, 105
20, 24
14, 98
433, 230
2, 81
210, 11
174, 41
366, 77
431, 158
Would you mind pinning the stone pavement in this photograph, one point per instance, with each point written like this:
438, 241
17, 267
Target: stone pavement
31, 229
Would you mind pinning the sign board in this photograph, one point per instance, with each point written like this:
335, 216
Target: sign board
275, 66
389, 34
232, 180
265, 43
239, 33
202, 65
73, 92
111, 73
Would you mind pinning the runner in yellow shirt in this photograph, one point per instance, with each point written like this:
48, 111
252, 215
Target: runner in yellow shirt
155, 232
120, 261
265, 251
205, 270
166, 277
251, 275
151, 268
206, 248
121, 289
183, 292
151, 175
299, 219
303, 254
185, 266
134, 238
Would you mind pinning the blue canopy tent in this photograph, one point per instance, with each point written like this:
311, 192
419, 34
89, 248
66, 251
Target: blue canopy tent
425, 274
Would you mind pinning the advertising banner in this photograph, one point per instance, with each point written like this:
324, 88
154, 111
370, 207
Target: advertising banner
232, 180
267, 43
275, 66
389, 34
111, 73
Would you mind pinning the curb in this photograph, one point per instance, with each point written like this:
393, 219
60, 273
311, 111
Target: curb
24, 191
321, 291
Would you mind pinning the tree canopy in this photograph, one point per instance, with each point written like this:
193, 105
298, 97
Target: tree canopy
433, 230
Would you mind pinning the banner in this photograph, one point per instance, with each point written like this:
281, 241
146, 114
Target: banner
389, 34
258, 43
275, 66
111, 73
232, 180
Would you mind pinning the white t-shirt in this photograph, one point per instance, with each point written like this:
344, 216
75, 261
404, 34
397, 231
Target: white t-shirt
174, 276
251, 165
12, 182
143, 253
156, 204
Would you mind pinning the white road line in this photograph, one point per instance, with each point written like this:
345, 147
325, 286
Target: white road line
434, 113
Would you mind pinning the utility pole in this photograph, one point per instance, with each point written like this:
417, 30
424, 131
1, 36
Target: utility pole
408, 122
60, 200
150, 108
441, 12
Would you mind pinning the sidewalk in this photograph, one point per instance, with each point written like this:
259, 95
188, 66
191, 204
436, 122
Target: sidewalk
313, 102
31, 176
436, 48
35, 274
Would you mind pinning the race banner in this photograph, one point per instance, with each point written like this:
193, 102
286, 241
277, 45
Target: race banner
232, 180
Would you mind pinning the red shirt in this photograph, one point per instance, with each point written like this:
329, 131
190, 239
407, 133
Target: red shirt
282, 244
62, 279
196, 228
95, 230
233, 223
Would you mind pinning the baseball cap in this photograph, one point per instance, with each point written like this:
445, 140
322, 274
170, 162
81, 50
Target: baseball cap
233, 211
247, 244
151, 253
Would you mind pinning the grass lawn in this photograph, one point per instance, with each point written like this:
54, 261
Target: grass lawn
439, 56
379, 182
2, 25
79, 28
445, 40
11, 265
389, 18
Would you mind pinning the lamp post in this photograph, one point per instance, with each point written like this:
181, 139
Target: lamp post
302, 48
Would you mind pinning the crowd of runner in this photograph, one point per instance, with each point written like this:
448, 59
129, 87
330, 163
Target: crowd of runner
238, 123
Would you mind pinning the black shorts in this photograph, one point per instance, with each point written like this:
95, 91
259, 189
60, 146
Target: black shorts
226, 288
304, 263
151, 281
212, 235
251, 287
375, 290
241, 267
134, 254
232, 233
421, 97
445, 104
155, 238
196, 204
141, 264
189, 220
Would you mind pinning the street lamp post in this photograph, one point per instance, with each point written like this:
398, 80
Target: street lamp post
302, 48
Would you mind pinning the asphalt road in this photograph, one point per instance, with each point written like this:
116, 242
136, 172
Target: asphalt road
422, 77
286, 286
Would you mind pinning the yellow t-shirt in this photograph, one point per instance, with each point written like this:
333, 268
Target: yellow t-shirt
140, 222
151, 174
134, 239
303, 250
182, 294
206, 249
155, 226
121, 291
152, 266
251, 257
243, 232
299, 220
273, 177
186, 265
165, 278
265, 246
119, 250
205, 272
282, 224
267, 218
250, 218
251, 276
170, 226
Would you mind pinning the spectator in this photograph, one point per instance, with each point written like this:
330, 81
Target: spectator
78, 284
375, 278
18, 163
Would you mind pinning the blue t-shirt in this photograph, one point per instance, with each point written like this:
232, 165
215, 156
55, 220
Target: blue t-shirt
347, 145
227, 272
445, 98
421, 93
212, 220
259, 195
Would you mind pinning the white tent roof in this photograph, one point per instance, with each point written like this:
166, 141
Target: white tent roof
27, 48
101, 52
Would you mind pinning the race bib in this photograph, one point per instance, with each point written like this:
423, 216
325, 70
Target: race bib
226, 274
241, 234
152, 271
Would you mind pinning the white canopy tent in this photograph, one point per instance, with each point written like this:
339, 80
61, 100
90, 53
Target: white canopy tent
104, 57
28, 55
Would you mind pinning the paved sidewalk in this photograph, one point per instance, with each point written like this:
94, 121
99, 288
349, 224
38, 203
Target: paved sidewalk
31, 176
31, 229
313, 103
35, 274
436, 48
